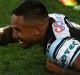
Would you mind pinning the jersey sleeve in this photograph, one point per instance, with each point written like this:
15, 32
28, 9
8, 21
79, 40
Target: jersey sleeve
60, 28
63, 27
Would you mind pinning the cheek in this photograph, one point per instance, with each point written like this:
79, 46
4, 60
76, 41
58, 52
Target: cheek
26, 36
29, 36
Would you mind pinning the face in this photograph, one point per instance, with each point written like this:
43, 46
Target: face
27, 32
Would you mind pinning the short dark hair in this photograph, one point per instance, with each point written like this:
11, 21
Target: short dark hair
31, 9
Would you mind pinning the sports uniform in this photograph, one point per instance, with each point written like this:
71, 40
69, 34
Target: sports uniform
62, 40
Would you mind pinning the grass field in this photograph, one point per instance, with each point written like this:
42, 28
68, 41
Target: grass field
18, 61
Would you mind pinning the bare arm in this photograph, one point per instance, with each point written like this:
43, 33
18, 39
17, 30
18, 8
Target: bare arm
59, 70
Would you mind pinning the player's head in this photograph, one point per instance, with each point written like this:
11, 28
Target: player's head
29, 22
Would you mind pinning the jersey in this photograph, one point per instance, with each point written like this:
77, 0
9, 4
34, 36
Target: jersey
62, 40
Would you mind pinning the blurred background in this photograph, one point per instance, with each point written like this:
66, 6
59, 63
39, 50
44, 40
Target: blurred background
32, 61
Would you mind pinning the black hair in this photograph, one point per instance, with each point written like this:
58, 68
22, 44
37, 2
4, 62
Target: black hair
31, 9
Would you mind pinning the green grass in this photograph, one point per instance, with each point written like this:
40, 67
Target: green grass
18, 61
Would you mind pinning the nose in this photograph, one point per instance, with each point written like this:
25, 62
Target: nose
15, 34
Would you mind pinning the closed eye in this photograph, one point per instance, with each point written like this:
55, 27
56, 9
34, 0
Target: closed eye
17, 29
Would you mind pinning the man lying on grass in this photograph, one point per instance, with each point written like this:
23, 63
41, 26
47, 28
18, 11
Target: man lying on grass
32, 24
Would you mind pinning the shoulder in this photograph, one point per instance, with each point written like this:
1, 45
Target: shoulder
57, 17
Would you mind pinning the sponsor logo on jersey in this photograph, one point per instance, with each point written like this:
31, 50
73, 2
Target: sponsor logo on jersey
59, 24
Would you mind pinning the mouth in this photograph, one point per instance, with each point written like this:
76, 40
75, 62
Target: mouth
23, 44
20, 42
